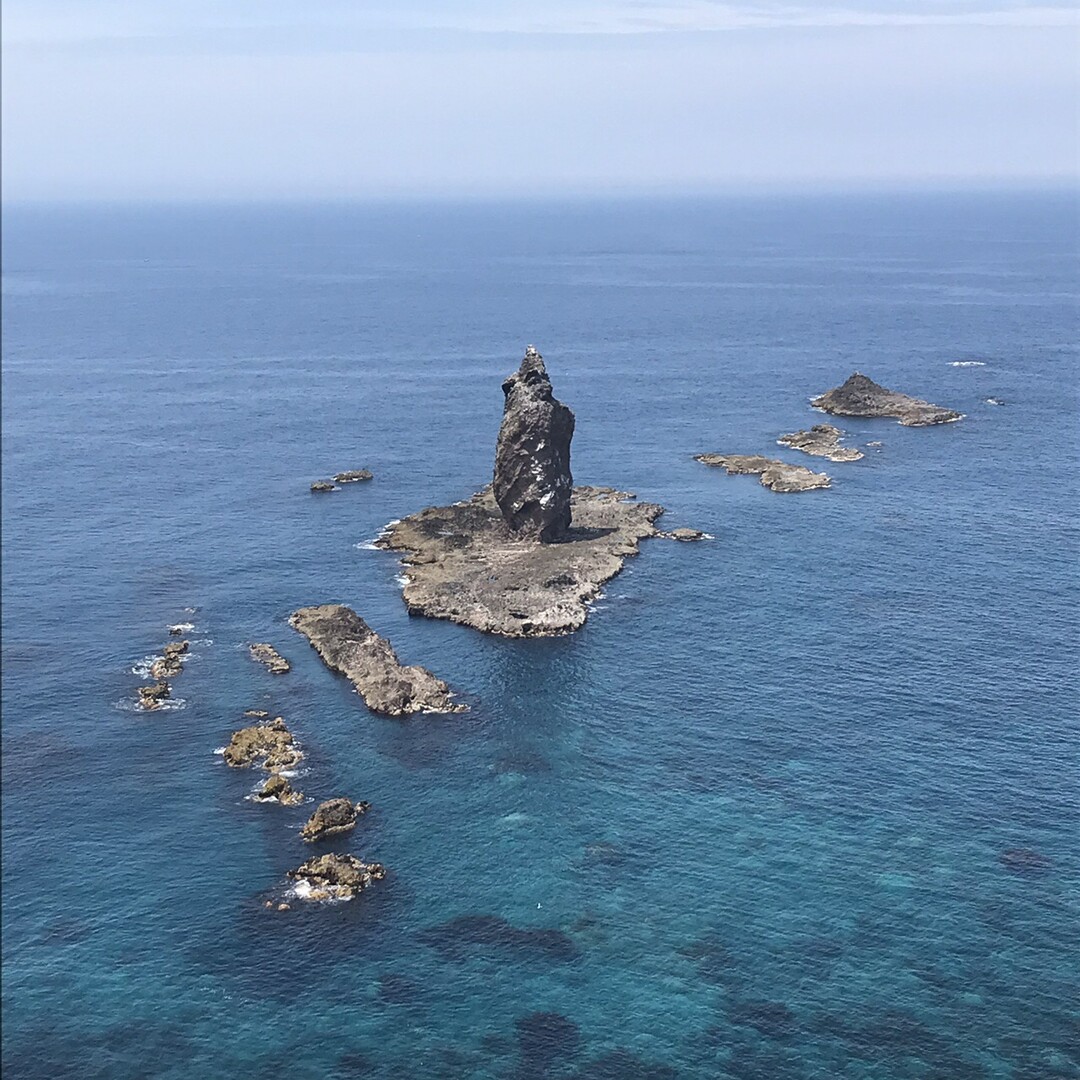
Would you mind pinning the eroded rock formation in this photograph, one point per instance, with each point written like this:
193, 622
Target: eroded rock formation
532, 481
462, 565
348, 645
353, 476
272, 744
822, 440
861, 396
334, 877
267, 655
333, 816
775, 475
278, 789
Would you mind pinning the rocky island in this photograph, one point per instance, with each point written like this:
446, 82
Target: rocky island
334, 877
278, 789
822, 440
353, 476
524, 556
348, 645
776, 475
332, 817
270, 743
861, 396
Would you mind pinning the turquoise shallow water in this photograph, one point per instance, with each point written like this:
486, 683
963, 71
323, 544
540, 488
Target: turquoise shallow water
751, 821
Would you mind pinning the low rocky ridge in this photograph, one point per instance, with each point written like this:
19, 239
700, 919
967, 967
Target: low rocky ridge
353, 476
861, 396
322, 485
267, 655
348, 645
685, 536
775, 475
334, 877
822, 440
333, 816
270, 744
464, 564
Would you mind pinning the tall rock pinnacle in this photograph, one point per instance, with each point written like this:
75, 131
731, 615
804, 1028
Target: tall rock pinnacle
532, 481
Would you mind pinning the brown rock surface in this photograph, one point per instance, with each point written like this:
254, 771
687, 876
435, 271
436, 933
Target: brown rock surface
348, 645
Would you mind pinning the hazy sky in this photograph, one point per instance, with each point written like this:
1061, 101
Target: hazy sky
271, 98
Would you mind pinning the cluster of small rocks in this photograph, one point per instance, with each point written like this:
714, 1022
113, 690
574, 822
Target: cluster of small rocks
857, 396
163, 668
350, 476
265, 654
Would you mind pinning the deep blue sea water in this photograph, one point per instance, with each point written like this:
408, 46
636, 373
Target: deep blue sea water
763, 796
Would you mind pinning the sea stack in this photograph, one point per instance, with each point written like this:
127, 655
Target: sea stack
532, 482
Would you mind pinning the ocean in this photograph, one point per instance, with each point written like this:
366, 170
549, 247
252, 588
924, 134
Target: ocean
801, 801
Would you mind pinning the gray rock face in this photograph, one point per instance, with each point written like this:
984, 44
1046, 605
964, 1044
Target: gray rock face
861, 396
462, 565
532, 482
333, 816
348, 645
776, 475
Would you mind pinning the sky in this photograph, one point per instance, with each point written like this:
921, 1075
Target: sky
269, 99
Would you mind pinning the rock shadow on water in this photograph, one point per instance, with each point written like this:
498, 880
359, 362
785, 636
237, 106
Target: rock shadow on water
546, 1040
711, 957
1025, 862
471, 935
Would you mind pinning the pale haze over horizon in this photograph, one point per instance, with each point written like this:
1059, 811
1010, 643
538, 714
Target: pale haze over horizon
265, 99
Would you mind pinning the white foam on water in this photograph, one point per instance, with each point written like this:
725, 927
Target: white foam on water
993, 401
368, 545
967, 363
220, 750
182, 628
515, 818
142, 667
403, 579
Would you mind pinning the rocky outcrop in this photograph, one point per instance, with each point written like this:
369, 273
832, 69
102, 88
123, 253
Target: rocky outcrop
463, 565
270, 744
775, 475
861, 396
267, 655
348, 645
532, 482
278, 789
169, 664
822, 440
322, 485
154, 696
334, 877
353, 476
333, 816
686, 536
180, 628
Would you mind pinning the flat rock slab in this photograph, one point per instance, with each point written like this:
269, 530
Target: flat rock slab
348, 645
822, 440
861, 396
465, 565
775, 475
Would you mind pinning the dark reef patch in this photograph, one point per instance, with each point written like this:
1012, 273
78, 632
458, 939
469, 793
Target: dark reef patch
467, 935
545, 1039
